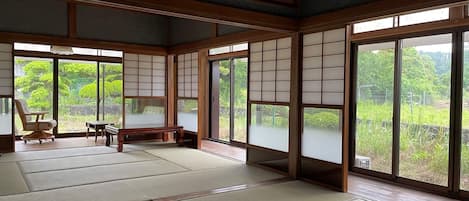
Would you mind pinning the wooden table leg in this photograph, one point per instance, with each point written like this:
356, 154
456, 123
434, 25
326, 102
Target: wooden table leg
108, 142
180, 139
120, 142
95, 134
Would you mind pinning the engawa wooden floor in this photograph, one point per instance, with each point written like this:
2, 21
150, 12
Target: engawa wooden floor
371, 189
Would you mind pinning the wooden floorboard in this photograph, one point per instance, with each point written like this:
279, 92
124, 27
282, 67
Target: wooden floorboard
224, 150
376, 190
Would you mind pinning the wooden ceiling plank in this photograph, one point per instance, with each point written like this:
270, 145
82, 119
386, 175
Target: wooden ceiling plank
196, 10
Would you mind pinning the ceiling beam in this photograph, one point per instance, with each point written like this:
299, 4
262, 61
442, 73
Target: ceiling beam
76, 42
246, 36
370, 10
196, 10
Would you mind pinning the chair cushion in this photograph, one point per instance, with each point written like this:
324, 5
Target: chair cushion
43, 125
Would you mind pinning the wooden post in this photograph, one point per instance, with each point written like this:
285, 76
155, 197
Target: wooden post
295, 108
204, 99
171, 93
346, 110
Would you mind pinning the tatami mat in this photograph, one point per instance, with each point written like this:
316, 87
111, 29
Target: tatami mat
192, 158
57, 153
73, 177
298, 190
84, 161
12, 181
153, 187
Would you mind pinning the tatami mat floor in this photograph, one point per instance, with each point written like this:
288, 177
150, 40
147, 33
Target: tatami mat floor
144, 172
21, 170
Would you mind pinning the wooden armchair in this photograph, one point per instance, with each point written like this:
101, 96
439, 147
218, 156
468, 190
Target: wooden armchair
39, 126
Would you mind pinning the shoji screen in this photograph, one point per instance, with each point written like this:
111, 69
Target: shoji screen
6, 70
187, 86
6, 96
323, 67
323, 97
270, 70
144, 75
188, 75
269, 101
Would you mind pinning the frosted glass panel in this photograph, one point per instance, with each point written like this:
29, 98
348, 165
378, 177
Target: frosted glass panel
269, 126
187, 114
144, 112
5, 116
322, 135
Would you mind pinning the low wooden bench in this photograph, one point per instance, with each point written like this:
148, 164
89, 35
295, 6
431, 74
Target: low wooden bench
122, 132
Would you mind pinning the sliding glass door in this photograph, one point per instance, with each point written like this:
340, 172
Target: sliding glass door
110, 92
34, 83
425, 87
77, 94
88, 91
403, 98
374, 106
229, 100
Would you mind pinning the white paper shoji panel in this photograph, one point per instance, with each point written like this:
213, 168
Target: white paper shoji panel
188, 75
323, 67
144, 75
6, 68
269, 70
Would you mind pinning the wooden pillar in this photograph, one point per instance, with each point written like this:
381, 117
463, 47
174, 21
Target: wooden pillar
295, 108
204, 97
346, 112
171, 66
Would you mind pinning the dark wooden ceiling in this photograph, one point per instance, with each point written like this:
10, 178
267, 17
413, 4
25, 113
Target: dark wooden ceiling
290, 8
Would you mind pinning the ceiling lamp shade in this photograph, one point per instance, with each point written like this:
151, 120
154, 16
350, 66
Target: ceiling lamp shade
61, 50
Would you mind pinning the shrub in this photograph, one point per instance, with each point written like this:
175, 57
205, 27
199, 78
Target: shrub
327, 120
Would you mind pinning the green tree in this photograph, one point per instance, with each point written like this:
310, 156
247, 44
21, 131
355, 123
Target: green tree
419, 76
37, 83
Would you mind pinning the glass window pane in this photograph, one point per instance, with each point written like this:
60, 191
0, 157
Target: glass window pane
5, 116
240, 47
374, 106
85, 51
32, 47
34, 84
145, 112
322, 134
425, 108
373, 25
269, 126
224, 99
219, 50
187, 114
110, 53
111, 92
77, 94
424, 16
464, 182
240, 99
